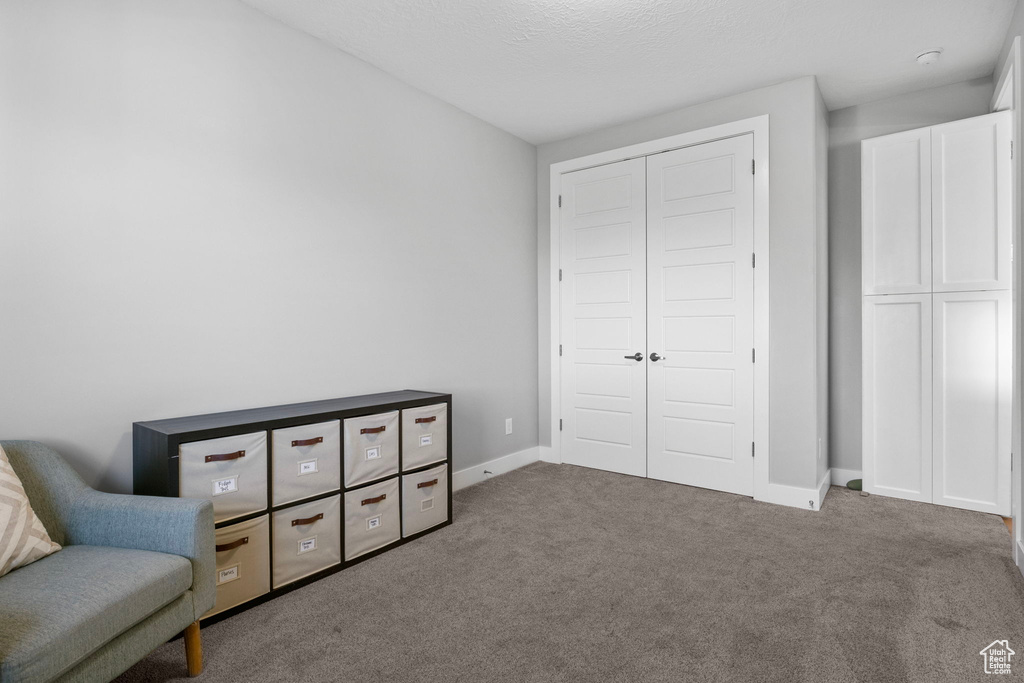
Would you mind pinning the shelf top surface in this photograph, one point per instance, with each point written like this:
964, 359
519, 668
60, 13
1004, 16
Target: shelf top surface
193, 423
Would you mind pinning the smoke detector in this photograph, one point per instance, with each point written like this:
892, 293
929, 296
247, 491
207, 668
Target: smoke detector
929, 56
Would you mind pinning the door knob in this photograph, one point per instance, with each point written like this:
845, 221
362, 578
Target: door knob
655, 357
636, 356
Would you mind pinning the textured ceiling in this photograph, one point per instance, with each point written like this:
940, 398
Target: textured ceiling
549, 69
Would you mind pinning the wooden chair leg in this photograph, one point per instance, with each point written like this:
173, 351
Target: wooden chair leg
193, 649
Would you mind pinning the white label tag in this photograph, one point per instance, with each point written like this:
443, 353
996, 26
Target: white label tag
308, 467
426, 439
428, 504
307, 544
228, 574
373, 453
372, 523
222, 486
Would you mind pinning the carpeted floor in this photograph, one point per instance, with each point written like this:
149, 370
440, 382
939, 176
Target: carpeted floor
559, 573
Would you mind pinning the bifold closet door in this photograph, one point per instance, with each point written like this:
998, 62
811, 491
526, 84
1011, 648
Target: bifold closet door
897, 384
603, 318
973, 375
972, 204
700, 308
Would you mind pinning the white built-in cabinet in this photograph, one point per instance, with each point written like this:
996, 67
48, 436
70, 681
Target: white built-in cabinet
937, 315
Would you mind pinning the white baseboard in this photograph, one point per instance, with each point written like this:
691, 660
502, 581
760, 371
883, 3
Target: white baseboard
506, 463
826, 481
841, 477
547, 454
798, 497
1020, 556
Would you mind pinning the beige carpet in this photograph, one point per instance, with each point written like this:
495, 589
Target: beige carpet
559, 573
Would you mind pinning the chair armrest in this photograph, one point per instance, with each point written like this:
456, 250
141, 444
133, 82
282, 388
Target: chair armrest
177, 526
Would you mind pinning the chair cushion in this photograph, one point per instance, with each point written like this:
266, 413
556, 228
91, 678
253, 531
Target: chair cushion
23, 538
57, 611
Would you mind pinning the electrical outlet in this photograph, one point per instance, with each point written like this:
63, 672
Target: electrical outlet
508, 426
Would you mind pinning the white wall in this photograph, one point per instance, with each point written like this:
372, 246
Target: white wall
794, 221
203, 210
847, 128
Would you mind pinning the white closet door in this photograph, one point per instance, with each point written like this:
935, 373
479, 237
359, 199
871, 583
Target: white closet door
972, 204
973, 377
897, 366
603, 318
700, 315
896, 213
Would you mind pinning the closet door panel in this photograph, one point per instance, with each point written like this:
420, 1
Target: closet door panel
972, 400
700, 315
897, 367
972, 204
896, 213
603, 317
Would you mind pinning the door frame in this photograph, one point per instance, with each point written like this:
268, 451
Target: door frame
1008, 95
758, 127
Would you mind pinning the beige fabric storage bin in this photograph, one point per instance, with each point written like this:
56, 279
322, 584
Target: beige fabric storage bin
424, 499
424, 435
371, 518
243, 563
371, 447
306, 461
231, 472
307, 538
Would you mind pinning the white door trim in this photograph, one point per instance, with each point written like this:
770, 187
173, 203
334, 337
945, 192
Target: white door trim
1008, 95
758, 126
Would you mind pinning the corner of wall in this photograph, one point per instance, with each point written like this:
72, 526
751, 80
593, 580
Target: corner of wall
821, 136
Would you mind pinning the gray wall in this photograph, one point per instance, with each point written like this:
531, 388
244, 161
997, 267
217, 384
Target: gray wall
203, 210
794, 222
822, 279
847, 128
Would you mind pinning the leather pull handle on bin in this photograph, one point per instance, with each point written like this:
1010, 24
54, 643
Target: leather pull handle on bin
307, 442
232, 545
425, 484
372, 430
371, 501
420, 420
225, 456
307, 520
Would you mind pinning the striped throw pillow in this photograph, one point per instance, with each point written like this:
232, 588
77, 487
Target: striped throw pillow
23, 539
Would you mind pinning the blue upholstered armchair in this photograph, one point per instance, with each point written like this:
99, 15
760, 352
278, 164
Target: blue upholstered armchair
134, 572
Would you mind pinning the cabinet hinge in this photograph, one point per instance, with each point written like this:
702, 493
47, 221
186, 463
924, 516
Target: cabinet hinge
559, 201
559, 349
752, 166
751, 449
753, 355
559, 424
1011, 149
559, 274
753, 260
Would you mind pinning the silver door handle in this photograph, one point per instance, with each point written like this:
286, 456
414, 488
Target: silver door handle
636, 356
655, 358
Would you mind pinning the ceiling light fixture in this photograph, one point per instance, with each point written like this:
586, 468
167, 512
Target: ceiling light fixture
929, 57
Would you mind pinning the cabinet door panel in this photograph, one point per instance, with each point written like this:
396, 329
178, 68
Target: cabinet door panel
896, 213
971, 204
898, 396
972, 400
